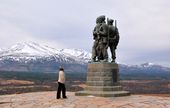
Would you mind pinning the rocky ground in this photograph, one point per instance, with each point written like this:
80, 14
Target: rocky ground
47, 100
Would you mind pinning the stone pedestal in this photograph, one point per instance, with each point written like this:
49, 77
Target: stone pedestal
103, 80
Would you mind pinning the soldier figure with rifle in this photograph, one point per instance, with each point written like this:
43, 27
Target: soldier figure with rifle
104, 35
113, 37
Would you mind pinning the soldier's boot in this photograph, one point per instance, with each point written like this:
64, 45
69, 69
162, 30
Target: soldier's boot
113, 61
93, 59
105, 60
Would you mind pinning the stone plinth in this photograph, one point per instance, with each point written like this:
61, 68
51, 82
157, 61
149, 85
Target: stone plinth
103, 80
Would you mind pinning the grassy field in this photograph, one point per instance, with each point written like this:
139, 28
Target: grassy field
20, 82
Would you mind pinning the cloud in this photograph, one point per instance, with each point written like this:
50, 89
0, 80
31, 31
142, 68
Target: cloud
11, 34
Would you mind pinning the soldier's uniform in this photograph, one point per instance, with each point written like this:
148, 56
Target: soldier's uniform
100, 33
96, 40
113, 36
104, 41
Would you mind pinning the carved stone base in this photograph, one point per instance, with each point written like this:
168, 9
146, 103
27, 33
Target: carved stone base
102, 80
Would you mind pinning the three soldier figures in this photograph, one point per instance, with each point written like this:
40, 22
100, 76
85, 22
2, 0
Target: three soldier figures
104, 35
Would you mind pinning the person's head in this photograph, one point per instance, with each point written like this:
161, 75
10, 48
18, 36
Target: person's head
110, 21
61, 69
100, 19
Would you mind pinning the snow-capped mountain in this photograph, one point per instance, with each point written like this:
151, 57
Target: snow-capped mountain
30, 53
143, 65
35, 57
144, 71
148, 68
77, 53
147, 64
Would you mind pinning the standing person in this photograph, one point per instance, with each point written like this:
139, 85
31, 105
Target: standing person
103, 32
100, 36
61, 84
96, 37
113, 38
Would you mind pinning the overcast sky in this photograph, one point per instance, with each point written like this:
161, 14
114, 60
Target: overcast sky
144, 25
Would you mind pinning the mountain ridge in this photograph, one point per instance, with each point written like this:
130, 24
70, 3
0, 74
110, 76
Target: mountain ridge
34, 57
31, 56
31, 50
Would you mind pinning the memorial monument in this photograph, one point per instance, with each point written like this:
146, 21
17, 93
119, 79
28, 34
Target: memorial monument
102, 75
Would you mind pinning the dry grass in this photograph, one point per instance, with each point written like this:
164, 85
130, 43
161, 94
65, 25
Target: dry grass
15, 82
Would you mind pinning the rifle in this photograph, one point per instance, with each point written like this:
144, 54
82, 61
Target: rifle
108, 33
117, 35
107, 21
116, 23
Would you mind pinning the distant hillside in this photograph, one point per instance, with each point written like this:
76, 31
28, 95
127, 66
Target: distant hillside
34, 57
144, 71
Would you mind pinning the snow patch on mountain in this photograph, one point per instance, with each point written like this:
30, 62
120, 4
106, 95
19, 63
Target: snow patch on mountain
31, 51
77, 53
147, 64
30, 48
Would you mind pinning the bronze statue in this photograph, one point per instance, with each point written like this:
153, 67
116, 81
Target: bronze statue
96, 38
100, 36
104, 35
113, 38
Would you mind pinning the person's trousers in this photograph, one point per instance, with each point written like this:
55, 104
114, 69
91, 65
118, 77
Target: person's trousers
61, 88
